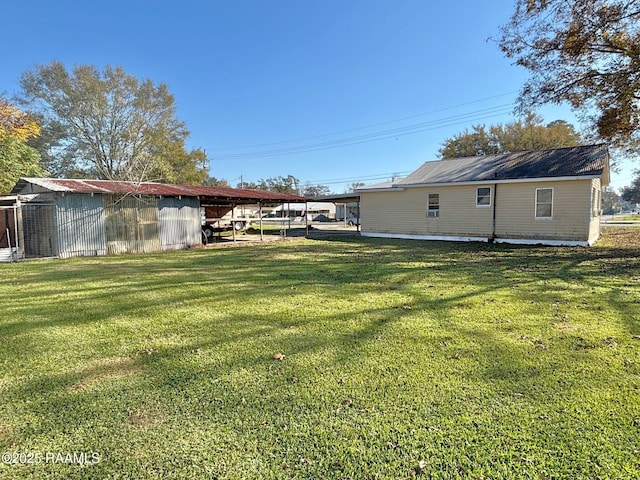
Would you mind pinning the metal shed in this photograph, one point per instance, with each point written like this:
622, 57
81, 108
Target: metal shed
48, 217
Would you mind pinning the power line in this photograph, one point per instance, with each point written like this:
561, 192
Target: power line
385, 134
371, 125
380, 176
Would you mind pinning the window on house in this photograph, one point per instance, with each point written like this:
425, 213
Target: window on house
483, 197
433, 205
544, 202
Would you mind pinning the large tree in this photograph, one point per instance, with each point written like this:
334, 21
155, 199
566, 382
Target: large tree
309, 190
108, 124
217, 182
289, 185
610, 201
586, 53
519, 135
631, 193
17, 159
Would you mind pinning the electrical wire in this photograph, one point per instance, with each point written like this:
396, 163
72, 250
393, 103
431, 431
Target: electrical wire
369, 126
368, 178
381, 135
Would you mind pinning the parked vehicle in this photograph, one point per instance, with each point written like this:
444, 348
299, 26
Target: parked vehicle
351, 221
209, 229
322, 218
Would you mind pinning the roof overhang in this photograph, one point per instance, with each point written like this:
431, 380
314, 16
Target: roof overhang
480, 182
352, 197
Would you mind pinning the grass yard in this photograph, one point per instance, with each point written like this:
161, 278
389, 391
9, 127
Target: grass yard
626, 218
401, 359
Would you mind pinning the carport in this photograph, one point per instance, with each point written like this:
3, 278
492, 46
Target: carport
343, 199
221, 200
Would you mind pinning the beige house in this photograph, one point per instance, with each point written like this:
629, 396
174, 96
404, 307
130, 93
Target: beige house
541, 197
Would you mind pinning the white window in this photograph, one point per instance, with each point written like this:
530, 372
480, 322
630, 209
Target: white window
544, 203
483, 197
433, 205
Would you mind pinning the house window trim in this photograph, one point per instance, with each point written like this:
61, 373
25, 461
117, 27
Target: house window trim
488, 205
435, 211
535, 204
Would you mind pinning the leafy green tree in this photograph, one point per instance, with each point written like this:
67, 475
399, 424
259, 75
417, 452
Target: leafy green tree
469, 144
584, 52
610, 201
217, 182
517, 136
315, 190
289, 185
174, 164
354, 186
109, 124
17, 159
631, 193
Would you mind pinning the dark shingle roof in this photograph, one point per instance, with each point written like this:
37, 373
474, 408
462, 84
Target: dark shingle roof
588, 161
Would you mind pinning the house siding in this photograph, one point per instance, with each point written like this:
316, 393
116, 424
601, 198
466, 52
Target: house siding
403, 212
515, 211
594, 224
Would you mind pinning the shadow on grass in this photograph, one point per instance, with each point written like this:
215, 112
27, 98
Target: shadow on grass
417, 328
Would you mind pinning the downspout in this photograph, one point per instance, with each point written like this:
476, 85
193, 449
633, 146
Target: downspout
493, 227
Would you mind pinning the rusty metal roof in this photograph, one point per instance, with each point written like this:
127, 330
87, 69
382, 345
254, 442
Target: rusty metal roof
238, 195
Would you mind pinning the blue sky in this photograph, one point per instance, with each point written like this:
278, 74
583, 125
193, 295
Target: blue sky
331, 91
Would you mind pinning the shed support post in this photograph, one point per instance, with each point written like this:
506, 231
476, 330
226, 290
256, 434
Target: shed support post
15, 228
288, 220
233, 222
20, 230
260, 217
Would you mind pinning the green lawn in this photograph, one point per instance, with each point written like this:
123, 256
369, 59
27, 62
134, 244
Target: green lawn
401, 359
626, 218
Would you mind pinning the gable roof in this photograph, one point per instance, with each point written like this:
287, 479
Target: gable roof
66, 185
588, 161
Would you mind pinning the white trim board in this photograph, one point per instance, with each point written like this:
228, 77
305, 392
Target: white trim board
455, 238
448, 238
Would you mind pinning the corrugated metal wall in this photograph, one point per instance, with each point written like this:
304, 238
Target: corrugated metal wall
131, 224
80, 225
85, 225
179, 221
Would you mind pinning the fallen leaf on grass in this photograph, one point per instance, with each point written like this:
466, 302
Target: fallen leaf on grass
540, 344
